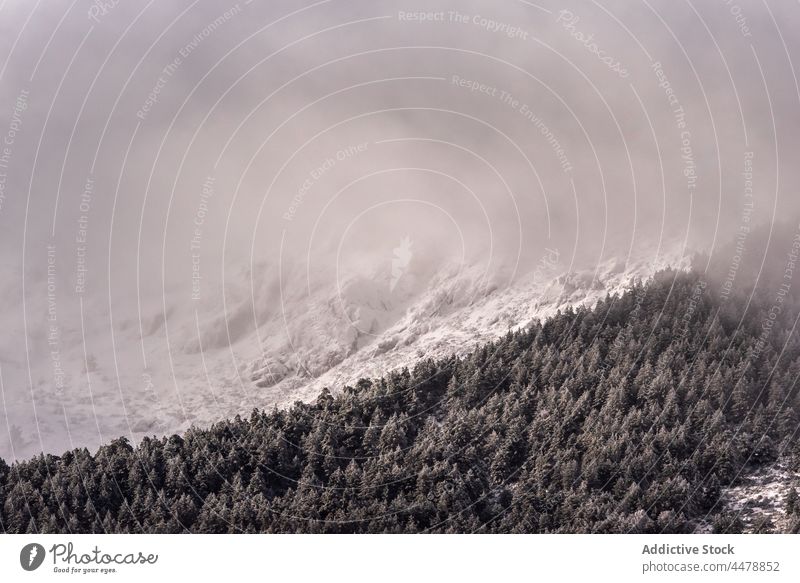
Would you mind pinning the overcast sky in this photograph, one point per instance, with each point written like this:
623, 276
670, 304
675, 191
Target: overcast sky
147, 147
507, 126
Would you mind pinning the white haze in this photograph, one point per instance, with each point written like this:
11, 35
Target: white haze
277, 88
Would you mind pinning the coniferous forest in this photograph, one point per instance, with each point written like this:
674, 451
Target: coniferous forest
632, 416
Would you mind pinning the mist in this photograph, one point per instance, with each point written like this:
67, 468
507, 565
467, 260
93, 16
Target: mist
191, 156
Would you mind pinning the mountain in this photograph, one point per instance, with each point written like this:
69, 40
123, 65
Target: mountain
270, 336
365, 328
642, 414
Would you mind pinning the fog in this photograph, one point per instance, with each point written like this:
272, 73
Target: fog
156, 156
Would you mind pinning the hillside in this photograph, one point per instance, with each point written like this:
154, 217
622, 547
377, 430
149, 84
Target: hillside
269, 336
637, 415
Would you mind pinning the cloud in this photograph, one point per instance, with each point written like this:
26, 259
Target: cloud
165, 147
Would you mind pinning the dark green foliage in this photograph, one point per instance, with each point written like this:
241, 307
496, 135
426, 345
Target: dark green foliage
631, 417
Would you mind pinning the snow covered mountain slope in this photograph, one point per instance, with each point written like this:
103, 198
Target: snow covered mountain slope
269, 338
459, 310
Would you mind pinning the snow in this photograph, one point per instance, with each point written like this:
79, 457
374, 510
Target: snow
761, 493
273, 338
